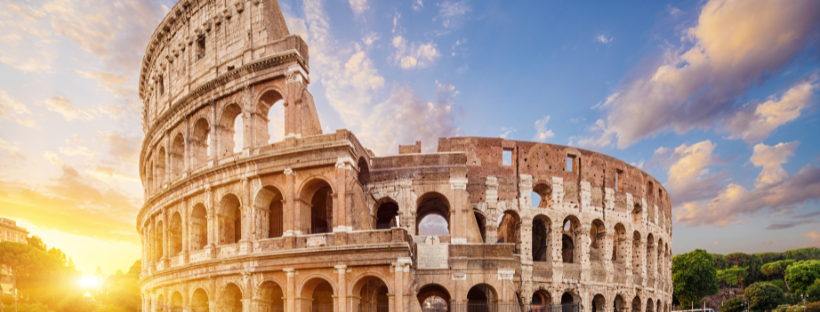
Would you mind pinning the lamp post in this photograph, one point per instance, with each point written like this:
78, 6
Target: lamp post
804, 301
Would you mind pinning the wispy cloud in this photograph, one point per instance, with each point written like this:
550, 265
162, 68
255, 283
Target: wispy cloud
604, 39
788, 225
452, 13
690, 178
358, 6
412, 55
65, 108
541, 131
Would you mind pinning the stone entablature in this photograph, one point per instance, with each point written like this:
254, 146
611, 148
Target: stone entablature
317, 222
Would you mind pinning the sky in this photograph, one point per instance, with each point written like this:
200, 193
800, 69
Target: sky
717, 99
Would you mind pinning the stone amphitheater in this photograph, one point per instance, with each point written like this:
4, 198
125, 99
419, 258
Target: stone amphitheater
316, 222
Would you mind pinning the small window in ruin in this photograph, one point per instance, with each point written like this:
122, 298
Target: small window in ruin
660, 194
160, 86
200, 48
507, 158
570, 163
618, 179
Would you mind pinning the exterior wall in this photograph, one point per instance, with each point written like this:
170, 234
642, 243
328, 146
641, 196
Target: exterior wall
210, 225
9, 231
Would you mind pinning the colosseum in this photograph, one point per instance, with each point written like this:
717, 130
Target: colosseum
316, 222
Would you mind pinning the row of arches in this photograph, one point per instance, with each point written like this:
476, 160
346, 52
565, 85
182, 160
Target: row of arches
264, 125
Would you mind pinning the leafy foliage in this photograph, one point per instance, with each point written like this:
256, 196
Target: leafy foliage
732, 276
732, 305
41, 276
693, 276
120, 292
801, 275
763, 296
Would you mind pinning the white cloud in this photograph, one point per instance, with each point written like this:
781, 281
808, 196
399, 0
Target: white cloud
452, 13
689, 176
64, 107
53, 159
418, 5
604, 39
735, 46
755, 122
13, 109
117, 85
414, 55
602, 136
771, 158
505, 132
358, 6
541, 132
370, 38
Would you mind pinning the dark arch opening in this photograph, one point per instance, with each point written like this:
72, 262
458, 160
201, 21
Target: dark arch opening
231, 115
636, 304
637, 214
269, 202
364, 171
271, 296
199, 301
619, 245
569, 240
636, 253
386, 215
598, 303
482, 225
231, 298
541, 300
509, 230
200, 143
373, 295
429, 205
230, 220
434, 298
597, 233
321, 211
541, 229
160, 168
568, 303
199, 228
177, 156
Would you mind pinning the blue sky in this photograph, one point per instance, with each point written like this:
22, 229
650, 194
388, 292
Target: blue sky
716, 98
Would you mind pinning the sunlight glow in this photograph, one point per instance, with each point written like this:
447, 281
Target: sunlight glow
89, 282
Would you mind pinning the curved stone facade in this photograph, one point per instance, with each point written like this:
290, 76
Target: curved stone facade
317, 222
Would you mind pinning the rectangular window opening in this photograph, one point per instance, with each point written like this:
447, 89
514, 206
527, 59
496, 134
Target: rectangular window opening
200, 48
570, 163
618, 179
507, 158
161, 86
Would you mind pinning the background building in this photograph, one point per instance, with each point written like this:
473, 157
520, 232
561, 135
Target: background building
317, 222
9, 231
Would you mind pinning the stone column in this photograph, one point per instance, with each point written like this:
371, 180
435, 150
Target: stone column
340, 198
492, 209
400, 268
212, 145
341, 296
291, 209
185, 229
290, 292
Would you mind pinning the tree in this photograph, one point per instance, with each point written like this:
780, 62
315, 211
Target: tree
121, 292
801, 275
808, 253
732, 305
814, 291
39, 276
763, 296
693, 276
732, 276
777, 268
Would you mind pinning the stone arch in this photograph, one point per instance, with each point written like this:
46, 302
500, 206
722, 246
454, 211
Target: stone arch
198, 223
481, 221
175, 231
432, 203
597, 240
650, 255
268, 203
265, 104
159, 252
636, 253
509, 229
541, 301
177, 155
434, 297
385, 212
149, 176
637, 214
619, 304
160, 307
619, 246
658, 306
480, 296
231, 298
544, 192
636, 304
200, 143
269, 294
317, 197
319, 290
541, 238
159, 169
660, 256
370, 293
570, 245
176, 302
227, 120
570, 301
598, 303
364, 171
230, 219
650, 306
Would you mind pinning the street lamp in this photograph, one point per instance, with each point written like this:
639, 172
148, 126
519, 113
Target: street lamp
804, 301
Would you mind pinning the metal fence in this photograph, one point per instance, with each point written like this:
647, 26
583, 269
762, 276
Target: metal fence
500, 307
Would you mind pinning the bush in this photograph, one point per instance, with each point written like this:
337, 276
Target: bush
732, 305
813, 306
781, 308
764, 296
25, 307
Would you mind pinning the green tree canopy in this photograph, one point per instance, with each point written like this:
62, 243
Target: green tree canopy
777, 268
763, 296
693, 276
732, 305
40, 275
732, 276
802, 274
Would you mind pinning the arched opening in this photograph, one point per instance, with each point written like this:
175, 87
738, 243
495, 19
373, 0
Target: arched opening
637, 215
481, 298
619, 245
231, 300
650, 255
569, 240
239, 134
544, 193
619, 304
175, 231
199, 227
481, 221
227, 124
177, 156
271, 214
270, 294
541, 239
386, 215
320, 196
270, 123
373, 295
230, 220
597, 239
199, 301
176, 302
149, 176
433, 215
636, 304
509, 230
364, 171
598, 303
200, 143
160, 168
322, 294
636, 253
659, 253
159, 233
650, 306
650, 198
568, 303
434, 298
658, 306
160, 307
541, 301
